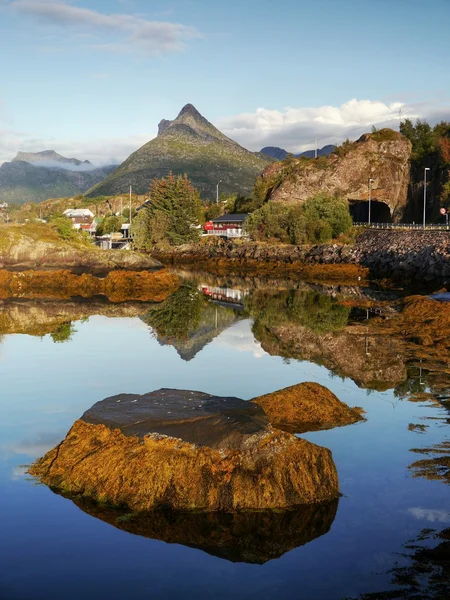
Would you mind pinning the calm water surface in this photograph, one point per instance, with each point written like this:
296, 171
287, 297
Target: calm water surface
222, 338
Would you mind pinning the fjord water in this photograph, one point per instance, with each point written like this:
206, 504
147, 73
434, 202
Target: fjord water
223, 338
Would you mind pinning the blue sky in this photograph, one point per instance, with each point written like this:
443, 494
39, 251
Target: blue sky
92, 78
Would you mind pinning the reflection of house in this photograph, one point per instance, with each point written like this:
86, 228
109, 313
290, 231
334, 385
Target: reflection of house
224, 295
228, 226
79, 216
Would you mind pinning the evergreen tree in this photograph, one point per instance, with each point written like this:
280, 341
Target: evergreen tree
171, 216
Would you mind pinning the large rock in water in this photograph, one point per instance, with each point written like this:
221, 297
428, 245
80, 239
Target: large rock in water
188, 451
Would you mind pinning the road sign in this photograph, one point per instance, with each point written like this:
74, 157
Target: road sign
443, 211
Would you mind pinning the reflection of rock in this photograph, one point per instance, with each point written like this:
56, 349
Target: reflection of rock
40, 317
307, 407
437, 467
117, 286
252, 537
187, 450
367, 359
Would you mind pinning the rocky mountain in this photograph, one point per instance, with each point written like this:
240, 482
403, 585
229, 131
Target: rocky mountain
50, 158
281, 154
21, 181
189, 144
383, 156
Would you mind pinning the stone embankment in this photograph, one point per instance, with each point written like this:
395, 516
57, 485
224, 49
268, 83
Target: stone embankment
423, 255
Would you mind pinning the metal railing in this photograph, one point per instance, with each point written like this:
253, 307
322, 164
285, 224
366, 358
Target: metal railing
417, 226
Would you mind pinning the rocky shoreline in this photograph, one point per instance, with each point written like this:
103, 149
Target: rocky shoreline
395, 254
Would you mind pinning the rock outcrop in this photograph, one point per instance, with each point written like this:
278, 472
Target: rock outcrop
36, 245
307, 407
383, 156
188, 451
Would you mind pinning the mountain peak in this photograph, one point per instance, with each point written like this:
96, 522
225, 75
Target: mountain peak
190, 122
189, 109
189, 145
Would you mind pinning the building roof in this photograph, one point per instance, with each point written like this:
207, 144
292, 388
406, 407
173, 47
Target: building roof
78, 212
233, 217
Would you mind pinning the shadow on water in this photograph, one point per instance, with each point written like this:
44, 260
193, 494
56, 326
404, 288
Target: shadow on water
250, 537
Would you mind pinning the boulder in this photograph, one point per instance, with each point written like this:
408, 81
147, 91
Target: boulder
307, 407
187, 451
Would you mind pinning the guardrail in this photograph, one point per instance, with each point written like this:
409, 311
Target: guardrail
430, 227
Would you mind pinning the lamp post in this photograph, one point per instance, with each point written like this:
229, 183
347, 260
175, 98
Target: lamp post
217, 191
425, 194
370, 196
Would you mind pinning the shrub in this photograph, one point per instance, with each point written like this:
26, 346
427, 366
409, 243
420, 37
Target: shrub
64, 227
332, 210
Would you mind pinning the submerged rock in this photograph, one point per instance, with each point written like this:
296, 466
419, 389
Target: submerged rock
188, 451
305, 407
249, 536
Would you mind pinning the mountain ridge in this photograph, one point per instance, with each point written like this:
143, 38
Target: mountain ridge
280, 154
45, 156
21, 181
189, 145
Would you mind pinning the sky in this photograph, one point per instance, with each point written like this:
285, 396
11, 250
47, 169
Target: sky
92, 78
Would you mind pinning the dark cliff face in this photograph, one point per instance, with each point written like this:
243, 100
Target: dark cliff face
190, 145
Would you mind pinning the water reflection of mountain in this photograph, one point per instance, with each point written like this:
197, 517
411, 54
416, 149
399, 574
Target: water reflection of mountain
189, 321
251, 537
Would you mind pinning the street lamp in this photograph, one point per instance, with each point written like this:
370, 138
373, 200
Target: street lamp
425, 194
370, 195
217, 191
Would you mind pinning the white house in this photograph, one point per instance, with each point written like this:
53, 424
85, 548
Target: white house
79, 216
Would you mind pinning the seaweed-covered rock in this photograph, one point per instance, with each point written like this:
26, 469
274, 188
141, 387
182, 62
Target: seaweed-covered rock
305, 407
188, 451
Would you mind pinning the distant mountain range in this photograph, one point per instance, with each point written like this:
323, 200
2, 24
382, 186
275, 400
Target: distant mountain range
189, 144
50, 158
281, 154
38, 176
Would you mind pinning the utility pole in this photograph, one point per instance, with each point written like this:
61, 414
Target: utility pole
217, 191
130, 210
425, 194
315, 150
370, 198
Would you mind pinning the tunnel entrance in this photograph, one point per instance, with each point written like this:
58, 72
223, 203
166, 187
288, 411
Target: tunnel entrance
380, 211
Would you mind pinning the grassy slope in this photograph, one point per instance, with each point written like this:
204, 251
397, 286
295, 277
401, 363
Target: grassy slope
205, 159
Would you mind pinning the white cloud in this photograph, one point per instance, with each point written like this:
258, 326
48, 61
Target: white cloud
130, 32
431, 515
240, 337
290, 129
295, 129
